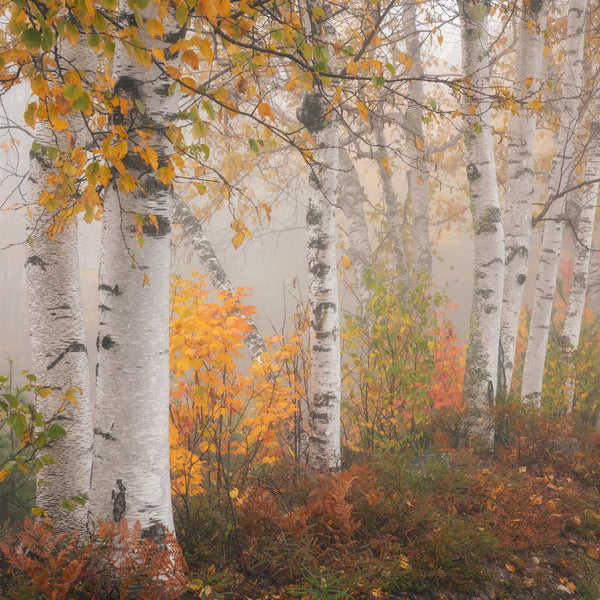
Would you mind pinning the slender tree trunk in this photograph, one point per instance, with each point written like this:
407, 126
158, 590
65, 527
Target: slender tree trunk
352, 202
324, 386
130, 476
520, 179
391, 207
58, 343
482, 353
195, 233
562, 167
579, 280
418, 172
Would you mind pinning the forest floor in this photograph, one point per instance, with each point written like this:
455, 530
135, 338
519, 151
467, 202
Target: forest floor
422, 522
520, 523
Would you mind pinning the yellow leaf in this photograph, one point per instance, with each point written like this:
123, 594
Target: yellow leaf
345, 262
152, 158
126, 183
510, 568
264, 110
291, 84
158, 54
237, 239
471, 109
363, 110
205, 47
352, 68
386, 165
528, 82
536, 105
234, 493
165, 175
155, 28
419, 143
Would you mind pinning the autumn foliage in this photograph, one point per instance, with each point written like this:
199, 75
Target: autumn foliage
225, 421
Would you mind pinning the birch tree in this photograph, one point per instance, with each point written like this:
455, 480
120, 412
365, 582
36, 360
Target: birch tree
352, 200
57, 331
562, 167
583, 242
520, 178
324, 386
417, 174
481, 368
130, 475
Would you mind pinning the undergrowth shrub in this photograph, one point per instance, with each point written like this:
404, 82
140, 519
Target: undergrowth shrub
226, 421
116, 562
402, 362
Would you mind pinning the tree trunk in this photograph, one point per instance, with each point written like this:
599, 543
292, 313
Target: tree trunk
585, 229
324, 386
194, 231
130, 475
57, 330
520, 180
352, 202
418, 172
562, 167
482, 352
391, 207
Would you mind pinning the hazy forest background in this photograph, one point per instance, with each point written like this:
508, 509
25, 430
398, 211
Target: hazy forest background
299, 299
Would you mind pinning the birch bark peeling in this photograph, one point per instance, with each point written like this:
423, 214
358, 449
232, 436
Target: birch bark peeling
481, 370
562, 166
194, 231
57, 330
520, 179
130, 475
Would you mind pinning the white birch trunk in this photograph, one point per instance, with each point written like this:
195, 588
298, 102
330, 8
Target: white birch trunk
520, 181
324, 386
391, 207
579, 280
418, 173
57, 330
195, 233
130, 475
562, 166
352, 202
482, 353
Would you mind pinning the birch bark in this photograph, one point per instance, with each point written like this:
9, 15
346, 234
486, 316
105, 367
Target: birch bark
520, 179
352, 202
324, 385
57, 331
579, 280
482, 353
417, 174
195, 233
130, 475
391, 207
562, 166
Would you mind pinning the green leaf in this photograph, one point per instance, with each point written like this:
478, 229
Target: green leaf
318, 13
12, 401
48, 39
32, 39
181, 14
72, 91
253, 145
378, 81
141, 108
391, 68
55, 431
348, 50
68, 505
18, 423
207, 106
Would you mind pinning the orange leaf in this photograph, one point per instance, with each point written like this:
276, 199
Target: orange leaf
363, 110
264, 110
